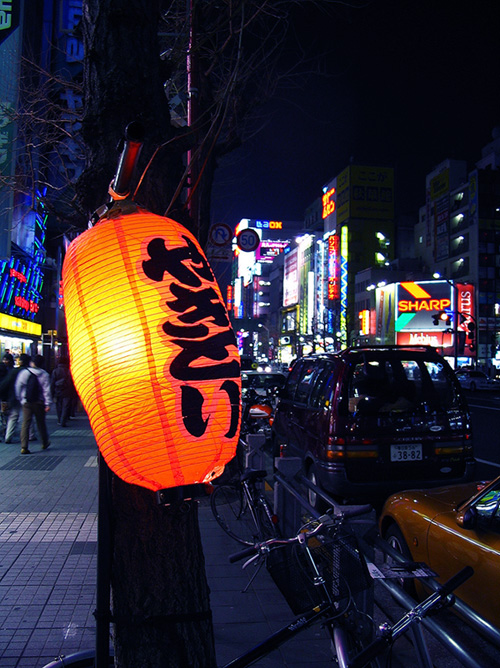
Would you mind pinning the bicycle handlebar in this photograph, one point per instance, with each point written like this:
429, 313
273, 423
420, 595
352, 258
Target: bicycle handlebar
247, 552
324, 521
415, 614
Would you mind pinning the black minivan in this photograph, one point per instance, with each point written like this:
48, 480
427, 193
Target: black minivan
373, 420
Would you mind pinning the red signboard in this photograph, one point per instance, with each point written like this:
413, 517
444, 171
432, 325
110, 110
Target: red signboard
465, 304
333, 267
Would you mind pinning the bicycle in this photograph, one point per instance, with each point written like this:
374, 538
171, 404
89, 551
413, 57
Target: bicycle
242, 510
320, 571
326, 580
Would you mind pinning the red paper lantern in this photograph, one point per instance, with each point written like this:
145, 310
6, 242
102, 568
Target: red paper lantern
153, 356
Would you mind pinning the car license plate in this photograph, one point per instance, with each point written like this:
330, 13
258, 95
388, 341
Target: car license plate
408, 452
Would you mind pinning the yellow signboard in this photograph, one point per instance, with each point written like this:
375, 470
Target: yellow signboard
19, 326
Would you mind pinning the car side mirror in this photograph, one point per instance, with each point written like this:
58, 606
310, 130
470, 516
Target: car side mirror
467, 519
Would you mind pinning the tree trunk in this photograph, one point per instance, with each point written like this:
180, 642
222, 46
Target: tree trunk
123, 82
160, 596
159, 590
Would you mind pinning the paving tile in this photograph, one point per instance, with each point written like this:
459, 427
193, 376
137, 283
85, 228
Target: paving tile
48, 562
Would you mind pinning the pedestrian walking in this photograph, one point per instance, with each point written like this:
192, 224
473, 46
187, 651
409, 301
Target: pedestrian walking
5, 367
7, 385
61, 386
33, 391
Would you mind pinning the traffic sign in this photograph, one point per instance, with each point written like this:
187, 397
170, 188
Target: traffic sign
248, 240
220, 234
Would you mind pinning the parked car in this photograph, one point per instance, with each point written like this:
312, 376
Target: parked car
471, 379
372, 420
449, 528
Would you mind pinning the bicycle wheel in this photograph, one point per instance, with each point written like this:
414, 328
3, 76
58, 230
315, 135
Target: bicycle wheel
233, 514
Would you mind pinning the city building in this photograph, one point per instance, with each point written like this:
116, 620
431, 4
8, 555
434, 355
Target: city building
356, 276
255, 284
358, 215
458, 239
40, 58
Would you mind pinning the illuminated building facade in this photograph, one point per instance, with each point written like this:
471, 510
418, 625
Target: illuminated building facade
458, 237
358, 214
36, 42
253, 293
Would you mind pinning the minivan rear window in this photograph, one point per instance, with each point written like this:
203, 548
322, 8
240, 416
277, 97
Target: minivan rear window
399, 384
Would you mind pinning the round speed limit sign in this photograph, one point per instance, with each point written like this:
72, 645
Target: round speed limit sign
248, 240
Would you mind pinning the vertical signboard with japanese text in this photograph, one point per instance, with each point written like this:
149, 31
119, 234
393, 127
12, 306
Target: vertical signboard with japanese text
291, 278
333, 269
329, 206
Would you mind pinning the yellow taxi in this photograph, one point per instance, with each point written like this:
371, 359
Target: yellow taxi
449, 528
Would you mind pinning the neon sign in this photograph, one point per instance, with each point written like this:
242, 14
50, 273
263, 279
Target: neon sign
328, 203
21, 281
17, 274
26, 305
344, 250
405, 305
269, 224
417, 301
333, 267
364, 321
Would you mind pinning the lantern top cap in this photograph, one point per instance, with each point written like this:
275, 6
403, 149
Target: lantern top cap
112, 210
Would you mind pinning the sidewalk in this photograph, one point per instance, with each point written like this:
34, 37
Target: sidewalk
48, 546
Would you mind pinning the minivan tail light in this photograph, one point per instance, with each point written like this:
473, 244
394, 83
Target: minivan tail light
334, 453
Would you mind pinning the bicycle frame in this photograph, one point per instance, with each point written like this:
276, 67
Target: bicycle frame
280, 637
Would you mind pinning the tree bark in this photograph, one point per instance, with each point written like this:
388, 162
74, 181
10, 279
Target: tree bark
160, 596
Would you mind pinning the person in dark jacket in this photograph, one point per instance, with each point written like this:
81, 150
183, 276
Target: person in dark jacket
61, 386
7, 388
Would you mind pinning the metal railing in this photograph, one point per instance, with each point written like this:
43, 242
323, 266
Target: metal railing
290, 506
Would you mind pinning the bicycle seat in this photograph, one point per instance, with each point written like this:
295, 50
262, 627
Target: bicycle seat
253, 475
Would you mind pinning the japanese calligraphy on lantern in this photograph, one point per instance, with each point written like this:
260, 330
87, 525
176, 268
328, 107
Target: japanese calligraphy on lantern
153, 356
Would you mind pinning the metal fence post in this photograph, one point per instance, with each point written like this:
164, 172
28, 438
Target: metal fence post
286, 506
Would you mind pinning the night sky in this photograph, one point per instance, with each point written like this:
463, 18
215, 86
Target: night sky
406, 84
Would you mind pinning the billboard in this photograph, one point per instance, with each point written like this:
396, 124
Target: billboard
268, 250
291, 278
365, 192
417, 303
